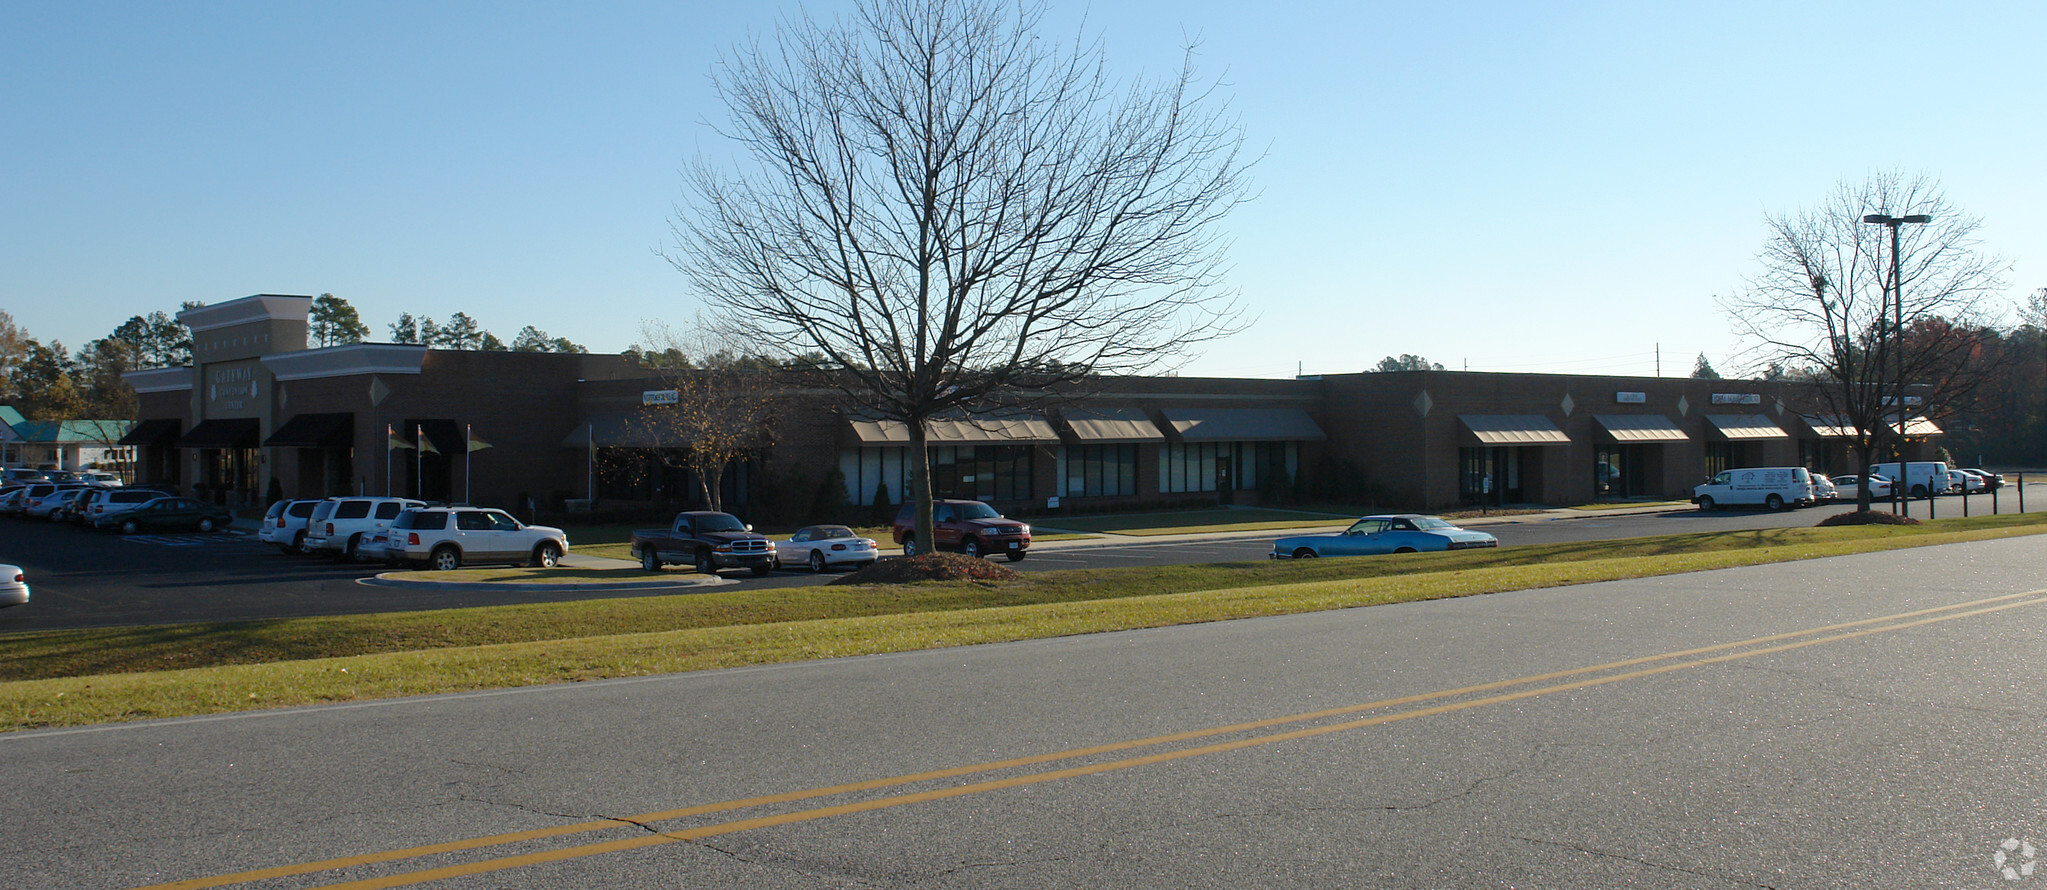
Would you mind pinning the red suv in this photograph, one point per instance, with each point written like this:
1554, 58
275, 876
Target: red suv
971, 527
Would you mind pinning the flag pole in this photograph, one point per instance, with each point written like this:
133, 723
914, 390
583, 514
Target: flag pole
419, 461
468, 457
389, 434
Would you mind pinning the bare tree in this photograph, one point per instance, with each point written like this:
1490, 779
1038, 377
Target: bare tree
959, 216
1822, 302
710, 411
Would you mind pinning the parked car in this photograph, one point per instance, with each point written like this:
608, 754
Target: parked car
971, 527
1991, 481
99, 477
1773, 488
15, 502
97, 503
339, 526
284, 524
708, 541
25, 474
824, 546
55, 505
1922, 478
446, 538
13, 586
169, 512
1824, 491
1389, 533
1850, 486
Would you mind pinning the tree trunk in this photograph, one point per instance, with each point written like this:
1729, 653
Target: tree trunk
920, 485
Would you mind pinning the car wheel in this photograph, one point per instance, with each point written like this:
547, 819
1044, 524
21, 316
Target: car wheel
1705, 504
547, 555
446, 559
1773, 503
206, 524
130, 526
1918, 491
298, 544
347, 553
817, 562
1305, 553
761, 571
971, 547
703, 565
1404, 550
909, 545
1015, 555
649, 561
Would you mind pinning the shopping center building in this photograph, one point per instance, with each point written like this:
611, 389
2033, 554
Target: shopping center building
260, 414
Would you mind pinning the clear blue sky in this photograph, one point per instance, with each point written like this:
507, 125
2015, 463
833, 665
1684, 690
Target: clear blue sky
1507, 187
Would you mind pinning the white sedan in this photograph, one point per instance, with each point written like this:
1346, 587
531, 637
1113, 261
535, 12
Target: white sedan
824, 546
13, 586
1879, 487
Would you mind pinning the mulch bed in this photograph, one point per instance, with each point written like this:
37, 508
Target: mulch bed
929, 567
1867, 517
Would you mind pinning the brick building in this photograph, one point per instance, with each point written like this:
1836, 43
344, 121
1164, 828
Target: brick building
260, 413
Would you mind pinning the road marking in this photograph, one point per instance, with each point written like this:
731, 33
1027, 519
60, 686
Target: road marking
1574, 679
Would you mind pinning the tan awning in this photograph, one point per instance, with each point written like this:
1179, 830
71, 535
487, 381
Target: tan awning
1116, 425
1836, 427
1830, 426
1513, 429
1641, 428
1243, 425
1747, 426
1014, 430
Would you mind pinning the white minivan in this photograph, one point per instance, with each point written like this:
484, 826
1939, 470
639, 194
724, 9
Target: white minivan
1921, 477
1774, 487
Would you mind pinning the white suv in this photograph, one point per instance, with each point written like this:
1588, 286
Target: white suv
285, 524
99, 503
339, 526
443, 538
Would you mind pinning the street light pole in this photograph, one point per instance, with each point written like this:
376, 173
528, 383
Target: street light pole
1895, 290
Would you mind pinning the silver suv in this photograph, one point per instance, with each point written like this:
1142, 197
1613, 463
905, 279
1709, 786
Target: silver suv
340, 526
444, 538
99, 503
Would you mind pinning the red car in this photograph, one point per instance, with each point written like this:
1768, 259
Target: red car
971, 527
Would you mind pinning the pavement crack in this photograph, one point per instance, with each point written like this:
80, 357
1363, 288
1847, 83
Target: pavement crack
1641, 861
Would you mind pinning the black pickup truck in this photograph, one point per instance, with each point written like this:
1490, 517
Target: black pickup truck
707, 541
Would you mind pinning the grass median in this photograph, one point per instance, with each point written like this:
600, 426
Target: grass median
72, 678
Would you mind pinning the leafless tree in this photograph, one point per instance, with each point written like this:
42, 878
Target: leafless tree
1821, 301
712, 408
958, 215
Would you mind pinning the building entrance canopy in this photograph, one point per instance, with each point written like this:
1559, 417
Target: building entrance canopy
1513, 429
1243, 425
1641, 428
1746, 426
1009, 430
315, 431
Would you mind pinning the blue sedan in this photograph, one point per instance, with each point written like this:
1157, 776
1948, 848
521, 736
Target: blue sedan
1393, 533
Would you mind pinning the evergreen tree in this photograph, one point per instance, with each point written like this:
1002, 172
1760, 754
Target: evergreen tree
332, 322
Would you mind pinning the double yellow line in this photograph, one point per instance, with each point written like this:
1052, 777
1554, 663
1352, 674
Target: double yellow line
1319, 723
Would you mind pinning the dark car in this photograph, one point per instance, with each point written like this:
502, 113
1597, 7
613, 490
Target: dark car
706, 540
971, 527
169, 513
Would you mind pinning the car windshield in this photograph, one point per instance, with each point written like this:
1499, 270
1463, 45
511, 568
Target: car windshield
977, 510
719, 522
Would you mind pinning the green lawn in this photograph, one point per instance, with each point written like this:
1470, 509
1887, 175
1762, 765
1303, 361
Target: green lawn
71, 678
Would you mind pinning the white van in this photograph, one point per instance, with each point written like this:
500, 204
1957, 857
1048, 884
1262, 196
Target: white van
1921, 478
1774, 487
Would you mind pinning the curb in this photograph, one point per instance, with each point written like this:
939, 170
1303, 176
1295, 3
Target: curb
387, 581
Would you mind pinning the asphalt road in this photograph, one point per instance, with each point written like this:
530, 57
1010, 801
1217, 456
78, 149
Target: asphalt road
1866, 721
83, 578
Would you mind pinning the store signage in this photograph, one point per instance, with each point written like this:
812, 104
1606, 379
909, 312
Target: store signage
1737, 398
1631, 398
661, 397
